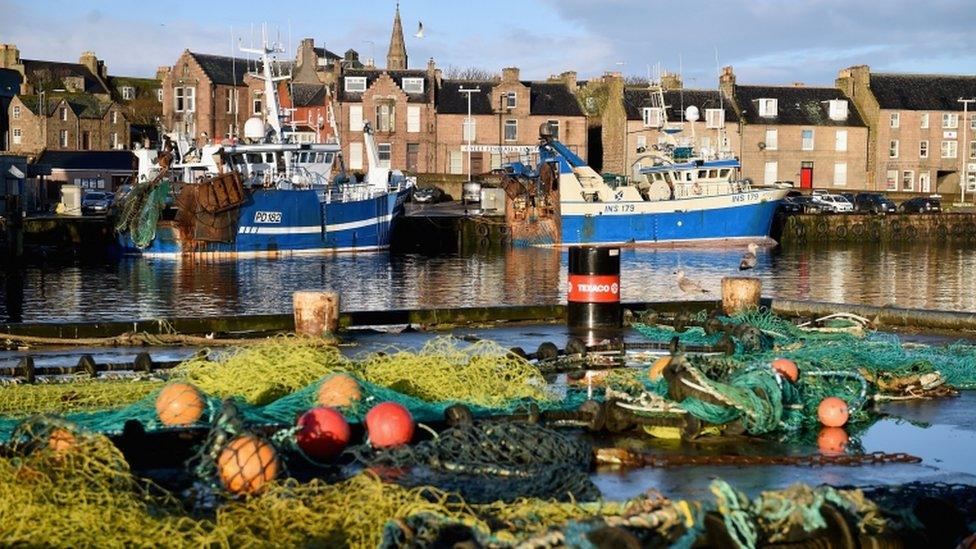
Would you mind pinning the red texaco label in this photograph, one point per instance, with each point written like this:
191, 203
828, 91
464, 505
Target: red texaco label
594, 288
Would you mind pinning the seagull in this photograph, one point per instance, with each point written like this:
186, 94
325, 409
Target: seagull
420, 30
689, 286
749, 259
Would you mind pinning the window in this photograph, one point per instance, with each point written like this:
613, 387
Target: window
179, 102
16, 112
807, 137
923, 149
770, 173
159, 95
772, 140
468, 129
714, 118
511, 100
891, 180
128, 93
641, 143
355, 84
17, 136
653, 117
840, 140
113, 140
257, 105
972, 122
385, 118
591, 103
413, 85
924, 123
64, 113
356, 118
189, 95
356, 156
511, 130
837, 109
455, 166
385, 152
63, 138
895, 119
840, 174
908, 180
972, 150
768, 108
950, 120
413, 119
231, 99
893, 148
924, 182
115, 117
949, 149
554, 128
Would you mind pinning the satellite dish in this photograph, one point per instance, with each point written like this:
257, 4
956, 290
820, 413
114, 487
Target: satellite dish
691, 113
254, 128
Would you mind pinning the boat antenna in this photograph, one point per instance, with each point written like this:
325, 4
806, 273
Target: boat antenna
233, 92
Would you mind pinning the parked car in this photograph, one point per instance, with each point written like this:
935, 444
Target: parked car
808, 204
921, 204
820, 192
96, 203
790, 205
848, 196
471, 192
874, 203
426, 195
834, 203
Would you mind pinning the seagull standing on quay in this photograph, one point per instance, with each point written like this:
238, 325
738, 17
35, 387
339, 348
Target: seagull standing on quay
689, 286
749, 259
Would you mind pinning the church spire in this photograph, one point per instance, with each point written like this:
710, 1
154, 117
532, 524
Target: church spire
396, 58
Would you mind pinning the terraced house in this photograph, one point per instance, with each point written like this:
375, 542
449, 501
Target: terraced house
923, 131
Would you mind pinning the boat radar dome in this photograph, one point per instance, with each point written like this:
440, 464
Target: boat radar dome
254, 129
691, 113
545, 130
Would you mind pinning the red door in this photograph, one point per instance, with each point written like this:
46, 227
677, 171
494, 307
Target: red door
806, 175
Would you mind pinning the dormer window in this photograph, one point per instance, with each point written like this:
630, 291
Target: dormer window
355, 84
510, 100
413, 85
838, 109
714, 118
128, 93
653, 117
768, 108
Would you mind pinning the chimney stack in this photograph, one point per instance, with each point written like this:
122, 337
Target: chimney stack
510, 74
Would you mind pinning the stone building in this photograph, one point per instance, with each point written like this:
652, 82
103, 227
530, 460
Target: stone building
506, 116
810, 136
920, 140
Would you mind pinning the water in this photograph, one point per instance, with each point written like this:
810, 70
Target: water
923, 275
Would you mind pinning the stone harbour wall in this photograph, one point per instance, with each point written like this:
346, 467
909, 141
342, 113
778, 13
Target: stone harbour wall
805, 228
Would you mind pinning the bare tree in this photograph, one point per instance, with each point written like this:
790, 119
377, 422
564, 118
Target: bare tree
636, 81
453, 72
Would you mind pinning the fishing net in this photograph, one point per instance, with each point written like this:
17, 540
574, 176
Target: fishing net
140, 210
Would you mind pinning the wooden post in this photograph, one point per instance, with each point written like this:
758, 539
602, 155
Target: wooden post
316, 313
740, 294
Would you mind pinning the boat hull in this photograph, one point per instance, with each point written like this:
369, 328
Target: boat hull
736, 217
275, 223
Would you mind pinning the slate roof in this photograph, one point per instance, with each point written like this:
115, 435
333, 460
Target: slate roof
797, 106
84, 105
922, 92
307, 95
328, 55
545, 98
228, 71
676, 101
371, 76
40, 71
88, 160
142, 86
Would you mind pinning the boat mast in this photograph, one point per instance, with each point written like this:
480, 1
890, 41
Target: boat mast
272, 109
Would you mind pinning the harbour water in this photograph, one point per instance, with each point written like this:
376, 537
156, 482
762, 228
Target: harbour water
920, 275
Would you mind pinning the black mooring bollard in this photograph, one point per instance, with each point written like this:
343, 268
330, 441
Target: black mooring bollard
593, 309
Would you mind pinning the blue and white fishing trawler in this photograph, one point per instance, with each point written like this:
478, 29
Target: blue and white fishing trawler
683, 198
266, 197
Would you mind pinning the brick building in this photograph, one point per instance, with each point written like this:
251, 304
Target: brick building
811, 136
920, 140
506, 114
206, 96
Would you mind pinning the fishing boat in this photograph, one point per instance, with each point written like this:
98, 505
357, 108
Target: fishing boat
684, 197
265, 197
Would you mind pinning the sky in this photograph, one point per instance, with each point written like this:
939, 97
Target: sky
765, 41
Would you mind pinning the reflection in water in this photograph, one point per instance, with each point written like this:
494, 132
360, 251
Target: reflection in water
909, 275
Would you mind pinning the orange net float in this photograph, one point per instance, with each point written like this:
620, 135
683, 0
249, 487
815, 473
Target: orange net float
61, 440
657, 369
246, 464
323, 433
833, 412
179, 404
339, 391
832, 441
389, 424
786, 368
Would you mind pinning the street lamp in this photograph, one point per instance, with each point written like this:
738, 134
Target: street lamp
467, 133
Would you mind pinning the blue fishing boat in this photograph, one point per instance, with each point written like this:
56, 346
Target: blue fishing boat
265, 197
